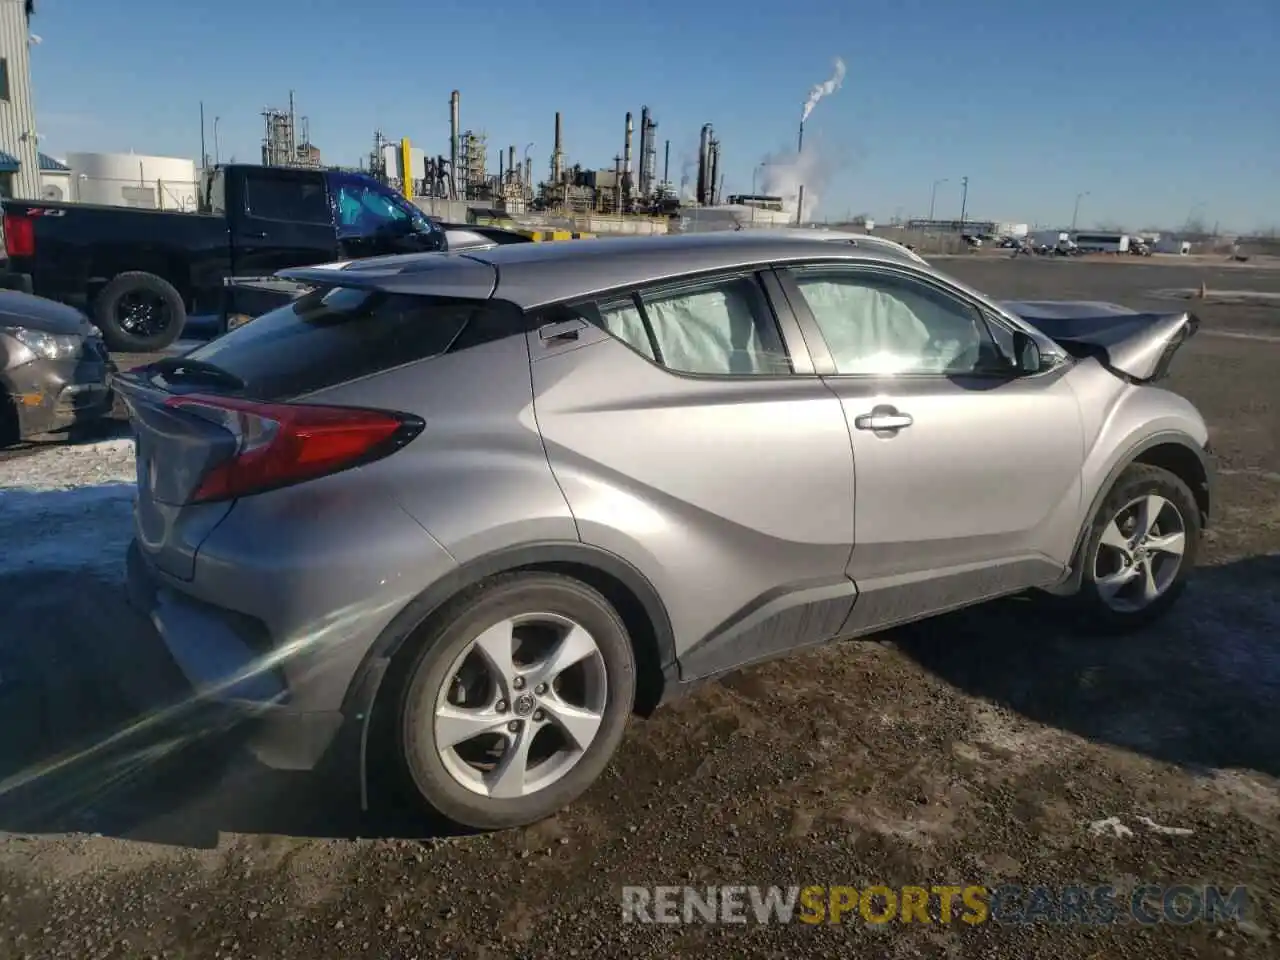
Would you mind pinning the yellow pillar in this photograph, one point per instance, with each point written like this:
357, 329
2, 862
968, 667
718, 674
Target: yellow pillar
406, 167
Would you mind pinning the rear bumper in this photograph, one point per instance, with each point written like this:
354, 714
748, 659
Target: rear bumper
230, 676
50, 395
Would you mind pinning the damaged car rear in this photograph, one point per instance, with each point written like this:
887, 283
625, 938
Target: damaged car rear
54, 368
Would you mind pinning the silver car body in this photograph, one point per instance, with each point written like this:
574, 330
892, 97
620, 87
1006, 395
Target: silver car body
735, 517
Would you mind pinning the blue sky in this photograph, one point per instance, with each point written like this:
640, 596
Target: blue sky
1160, 110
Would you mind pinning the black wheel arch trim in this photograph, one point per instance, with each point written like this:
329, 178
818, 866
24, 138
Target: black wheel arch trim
1073, 580
363, 690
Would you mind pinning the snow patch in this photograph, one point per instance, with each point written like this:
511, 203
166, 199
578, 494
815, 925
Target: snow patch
1167, 831
68, 508
1111, 826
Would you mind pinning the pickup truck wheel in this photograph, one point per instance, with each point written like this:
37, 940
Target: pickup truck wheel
139, 313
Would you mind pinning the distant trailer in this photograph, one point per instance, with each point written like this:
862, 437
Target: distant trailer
1049, 238
1102, 242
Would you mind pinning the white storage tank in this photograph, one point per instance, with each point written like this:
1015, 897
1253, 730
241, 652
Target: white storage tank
134, 180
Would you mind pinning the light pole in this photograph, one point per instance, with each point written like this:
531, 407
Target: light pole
964, 201
754, 171
933, 194
1075, 213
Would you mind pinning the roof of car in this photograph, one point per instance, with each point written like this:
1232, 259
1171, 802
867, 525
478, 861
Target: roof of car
534, 274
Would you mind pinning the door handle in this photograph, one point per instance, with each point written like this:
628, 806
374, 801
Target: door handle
564, 330
256, 234
883, 418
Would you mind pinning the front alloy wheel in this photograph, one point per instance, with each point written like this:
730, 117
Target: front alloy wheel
1140, 553
1140, 550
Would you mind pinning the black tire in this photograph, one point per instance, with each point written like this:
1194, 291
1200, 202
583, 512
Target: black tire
448, 634
1136, 481
167, 299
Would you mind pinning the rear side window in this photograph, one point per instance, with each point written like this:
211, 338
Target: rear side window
292, 199
328, 337
721, 327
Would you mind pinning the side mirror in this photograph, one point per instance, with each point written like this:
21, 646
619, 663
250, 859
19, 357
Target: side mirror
1028, 358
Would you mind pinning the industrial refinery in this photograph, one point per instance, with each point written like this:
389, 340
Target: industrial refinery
631, 185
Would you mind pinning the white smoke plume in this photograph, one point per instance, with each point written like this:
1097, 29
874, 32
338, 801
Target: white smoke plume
688, 176
784, 173
823, 89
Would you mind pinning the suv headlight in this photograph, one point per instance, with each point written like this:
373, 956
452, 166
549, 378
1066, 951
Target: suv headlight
50, 346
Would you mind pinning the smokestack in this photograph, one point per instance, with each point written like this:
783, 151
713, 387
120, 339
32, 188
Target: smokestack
557, 154
528, 172
800, 142
713, 170
512, 169
626, 160
704, 161
666, 164
501, 173
626, 146
645, 147
454, 127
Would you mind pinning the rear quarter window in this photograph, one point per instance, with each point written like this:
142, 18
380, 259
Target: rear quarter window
285, 197
329, 337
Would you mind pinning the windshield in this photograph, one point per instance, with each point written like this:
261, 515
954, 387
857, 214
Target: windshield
365, 207
420, 220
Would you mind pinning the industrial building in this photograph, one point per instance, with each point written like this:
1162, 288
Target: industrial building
19, 149
55, 179
985, 229
134, 180
631, 185
286, 141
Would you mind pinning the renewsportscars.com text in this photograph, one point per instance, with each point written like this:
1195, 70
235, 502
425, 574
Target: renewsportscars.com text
970, 904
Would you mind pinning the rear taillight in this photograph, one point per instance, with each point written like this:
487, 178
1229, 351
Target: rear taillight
19, 235
281, 444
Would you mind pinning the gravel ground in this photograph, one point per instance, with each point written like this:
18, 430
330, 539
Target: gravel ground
987, 747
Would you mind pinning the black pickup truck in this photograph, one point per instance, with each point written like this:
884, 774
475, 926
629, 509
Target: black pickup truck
139, 273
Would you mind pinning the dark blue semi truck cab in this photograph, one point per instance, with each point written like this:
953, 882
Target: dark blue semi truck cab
140, 273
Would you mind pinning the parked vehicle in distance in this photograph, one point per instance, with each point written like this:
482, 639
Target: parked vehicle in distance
54, 368
477, 509
140, 273
1102, 242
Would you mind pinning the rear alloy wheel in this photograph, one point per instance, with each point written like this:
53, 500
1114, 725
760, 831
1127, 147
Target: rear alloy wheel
1141, 549
518, 702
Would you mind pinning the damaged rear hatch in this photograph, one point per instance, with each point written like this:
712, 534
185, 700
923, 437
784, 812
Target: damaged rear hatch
1134, 345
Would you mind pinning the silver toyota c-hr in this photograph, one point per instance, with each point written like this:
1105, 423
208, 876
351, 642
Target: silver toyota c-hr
502, 499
